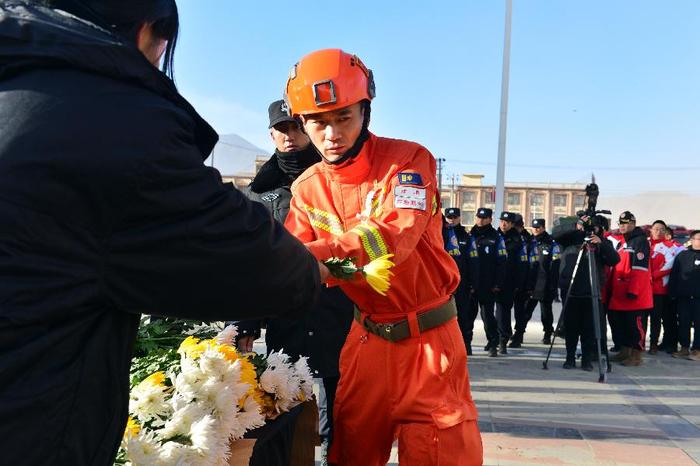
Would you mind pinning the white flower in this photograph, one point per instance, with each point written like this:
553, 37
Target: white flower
148, 401
227, 336
143, 450
303, 372
182, 419
208, 439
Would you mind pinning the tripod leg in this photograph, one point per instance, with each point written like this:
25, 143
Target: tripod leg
564, 306
595, 307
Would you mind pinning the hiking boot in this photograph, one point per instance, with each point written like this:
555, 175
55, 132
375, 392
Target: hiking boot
502, 348
634, 360
682, 354
569, 363
624, 353
493, 352
694, 355
654, 348
586, 365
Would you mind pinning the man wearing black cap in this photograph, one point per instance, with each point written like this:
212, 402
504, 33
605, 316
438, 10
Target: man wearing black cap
631, 290
460, 245
492, 260
544, 279
321, 334
515, 276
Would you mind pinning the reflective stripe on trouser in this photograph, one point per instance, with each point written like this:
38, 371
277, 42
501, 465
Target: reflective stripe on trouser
416, 390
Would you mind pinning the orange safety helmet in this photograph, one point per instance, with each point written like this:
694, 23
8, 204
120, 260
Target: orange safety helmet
327, 80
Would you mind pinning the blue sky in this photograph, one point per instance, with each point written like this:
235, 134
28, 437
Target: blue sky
608, 86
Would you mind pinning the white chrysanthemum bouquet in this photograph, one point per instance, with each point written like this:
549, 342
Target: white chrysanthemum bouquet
190, 414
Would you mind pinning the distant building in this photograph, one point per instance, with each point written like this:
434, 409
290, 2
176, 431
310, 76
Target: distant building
532, 200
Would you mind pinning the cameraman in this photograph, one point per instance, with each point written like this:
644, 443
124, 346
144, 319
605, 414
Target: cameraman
578, 317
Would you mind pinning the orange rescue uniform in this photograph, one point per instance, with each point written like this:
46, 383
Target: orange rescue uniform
383, 201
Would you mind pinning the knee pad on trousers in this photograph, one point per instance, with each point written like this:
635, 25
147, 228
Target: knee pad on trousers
428, 445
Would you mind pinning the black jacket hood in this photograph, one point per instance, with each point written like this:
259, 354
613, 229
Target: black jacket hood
35, 37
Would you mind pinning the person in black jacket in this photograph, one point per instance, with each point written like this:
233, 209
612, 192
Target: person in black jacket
460, 245
578, 315
684, 287
107, 211
523, 296
544, 279
515, 276
492, 255
321, 333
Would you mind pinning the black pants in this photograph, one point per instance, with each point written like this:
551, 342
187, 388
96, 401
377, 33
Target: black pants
655, 317
467, 310
616, 323
520, 312
547, 316
688, 314
632, 332
503, 313
669, 320
578, 323
326, 398
490, 323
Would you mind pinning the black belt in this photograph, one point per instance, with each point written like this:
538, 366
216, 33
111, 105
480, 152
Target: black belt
397, 331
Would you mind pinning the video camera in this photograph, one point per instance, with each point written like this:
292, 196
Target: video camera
595, 222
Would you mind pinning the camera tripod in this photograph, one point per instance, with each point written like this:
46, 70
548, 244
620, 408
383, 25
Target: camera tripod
603, 365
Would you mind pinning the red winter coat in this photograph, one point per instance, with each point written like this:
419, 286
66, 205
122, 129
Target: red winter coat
631, 277
663, 253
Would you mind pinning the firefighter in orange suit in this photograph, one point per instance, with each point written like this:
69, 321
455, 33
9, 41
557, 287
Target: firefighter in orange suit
403, 369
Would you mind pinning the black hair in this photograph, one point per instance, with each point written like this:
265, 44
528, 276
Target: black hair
693, 233
125, 18
661, 222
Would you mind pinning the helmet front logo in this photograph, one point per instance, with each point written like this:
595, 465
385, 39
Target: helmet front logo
324, 92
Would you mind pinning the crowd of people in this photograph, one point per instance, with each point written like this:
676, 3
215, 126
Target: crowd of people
647, 283
107, 211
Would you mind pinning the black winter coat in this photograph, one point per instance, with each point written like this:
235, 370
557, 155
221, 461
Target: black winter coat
320, 335
570, 239
685, 275
107, 211
467, 260
545, 270
517, 265
492, 261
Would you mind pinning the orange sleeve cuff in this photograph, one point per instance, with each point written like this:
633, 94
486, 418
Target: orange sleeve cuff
320, 249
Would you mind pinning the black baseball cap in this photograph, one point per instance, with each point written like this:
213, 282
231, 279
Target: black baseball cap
452, 212
626, 217
519, 220
278, 112
484, 212
538, 223
507, 216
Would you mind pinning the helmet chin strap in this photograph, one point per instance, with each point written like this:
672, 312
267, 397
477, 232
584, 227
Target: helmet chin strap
357, 146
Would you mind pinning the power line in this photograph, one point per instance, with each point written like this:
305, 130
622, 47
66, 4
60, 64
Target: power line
579, 167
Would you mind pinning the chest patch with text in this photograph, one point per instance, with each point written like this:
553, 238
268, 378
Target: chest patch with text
409, 197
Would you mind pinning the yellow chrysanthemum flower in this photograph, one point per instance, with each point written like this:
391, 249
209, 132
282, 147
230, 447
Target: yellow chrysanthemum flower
132, 428
191, 347
229, 352
378, 275
157, 379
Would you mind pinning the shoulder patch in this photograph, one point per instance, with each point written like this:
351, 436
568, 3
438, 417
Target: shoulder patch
269, 197
410, 178
640, 256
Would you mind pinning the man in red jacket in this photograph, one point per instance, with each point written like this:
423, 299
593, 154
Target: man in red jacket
631, 293
663, 253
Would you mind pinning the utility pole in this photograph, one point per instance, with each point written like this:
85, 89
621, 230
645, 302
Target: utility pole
453, 194
439, 167
505, 77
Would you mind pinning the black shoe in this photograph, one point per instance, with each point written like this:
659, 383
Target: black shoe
586, 366
469, 350
547, 340
493, 352
671, 349
502, 348
487, 347
569, 364
614, 349
516, 341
